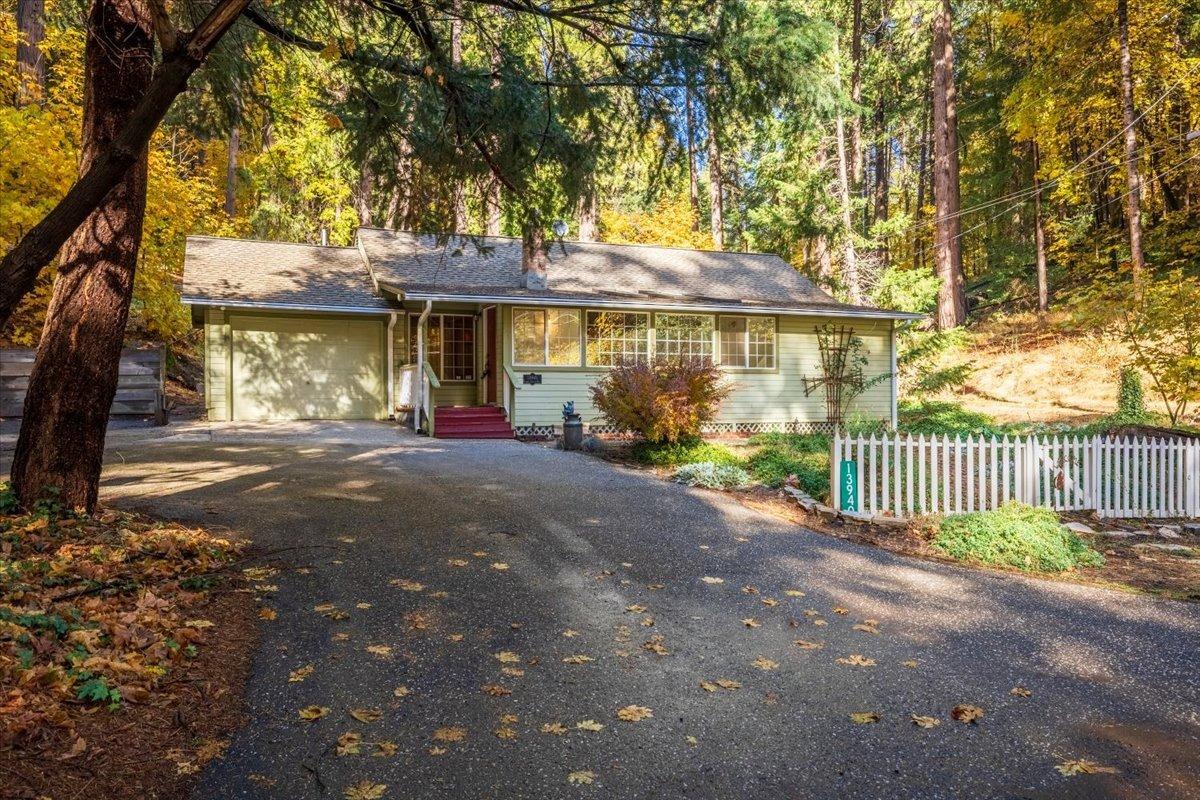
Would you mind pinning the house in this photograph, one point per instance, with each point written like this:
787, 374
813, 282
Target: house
455, 334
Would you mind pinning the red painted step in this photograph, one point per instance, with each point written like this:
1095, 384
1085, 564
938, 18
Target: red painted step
471, 422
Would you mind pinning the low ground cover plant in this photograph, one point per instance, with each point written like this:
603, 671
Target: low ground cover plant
687, 451
713, 476
1015, 535
781, 455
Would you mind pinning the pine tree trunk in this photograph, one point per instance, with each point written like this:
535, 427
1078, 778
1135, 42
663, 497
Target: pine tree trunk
693, 178
1039, 235
366, 187
491, 201
400, 202
588, 212
459, 200
715, 180
922, 169
31, 64
231, 172
849, 254
60, 449
952, 306
1133, 200
856, 122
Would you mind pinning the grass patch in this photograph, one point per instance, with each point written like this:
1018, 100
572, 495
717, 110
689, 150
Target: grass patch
686, 451
1015, 535
782, 454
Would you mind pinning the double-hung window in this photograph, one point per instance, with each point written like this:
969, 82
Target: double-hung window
747, 342
546, 337
683, 336
616, 336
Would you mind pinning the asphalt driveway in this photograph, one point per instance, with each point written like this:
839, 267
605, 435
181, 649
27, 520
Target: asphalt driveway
444, 583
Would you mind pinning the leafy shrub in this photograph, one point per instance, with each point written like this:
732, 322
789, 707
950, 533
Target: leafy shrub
944, 417
1015, 535
1131, 398
665, 400
783, 454
713, 476
685, 451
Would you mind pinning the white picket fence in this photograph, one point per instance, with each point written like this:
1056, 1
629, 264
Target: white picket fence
1126, 476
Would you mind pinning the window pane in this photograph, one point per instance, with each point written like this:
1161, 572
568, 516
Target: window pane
529, 335
563, 331
458, 357
433, 343
614, 336
762, 343
733, 341
683, 336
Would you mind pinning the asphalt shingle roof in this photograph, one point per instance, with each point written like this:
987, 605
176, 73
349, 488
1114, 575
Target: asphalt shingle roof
245, 271
492, 266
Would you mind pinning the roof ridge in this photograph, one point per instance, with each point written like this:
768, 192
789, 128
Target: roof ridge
268, 241
581, 242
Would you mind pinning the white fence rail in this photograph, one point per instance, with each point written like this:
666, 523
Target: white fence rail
906, 476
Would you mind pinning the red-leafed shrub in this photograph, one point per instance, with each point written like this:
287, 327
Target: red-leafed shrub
662, 400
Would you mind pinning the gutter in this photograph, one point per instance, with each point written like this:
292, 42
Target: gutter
391, 367
206, 302
713, 308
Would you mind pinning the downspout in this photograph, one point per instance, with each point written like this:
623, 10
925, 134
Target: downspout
895, 383
391, 366
420, 404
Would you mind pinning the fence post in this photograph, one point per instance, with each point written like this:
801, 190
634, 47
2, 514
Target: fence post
1193, 481
835, 471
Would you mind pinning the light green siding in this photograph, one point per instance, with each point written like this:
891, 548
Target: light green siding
216, 364
774, 396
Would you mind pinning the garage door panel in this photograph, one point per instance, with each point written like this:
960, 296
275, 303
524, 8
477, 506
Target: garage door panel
303, 368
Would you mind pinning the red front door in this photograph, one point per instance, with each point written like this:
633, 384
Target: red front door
493, 363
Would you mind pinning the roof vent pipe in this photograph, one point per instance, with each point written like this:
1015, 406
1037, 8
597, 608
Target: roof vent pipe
324, 237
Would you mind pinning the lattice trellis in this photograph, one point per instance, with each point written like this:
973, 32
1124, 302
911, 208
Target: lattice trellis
841, 370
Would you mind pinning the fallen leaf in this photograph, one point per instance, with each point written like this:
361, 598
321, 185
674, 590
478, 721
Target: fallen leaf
865, 628
401, 691
578, 659
267, 613
636, 609
554, 728
966, 713
365, 790
647, 622
496, 690
804, 644
513, 671
570, 634
346, 539
911, 664
385, 749
438, 595
856, 660
451, 734
656, 646
820, 623
348, 744
749, 590
865, 717
589, 725
770, 602
507, 657
381, 650
366, 714
258, 779
310, 713
437, 751
505, 732
793, 593
709, 579
454, 637
1081, 766
340, 637
925, 722
198, 623
362, 606
407, 585
692, 740
811, 612
634, 713
480, 554
509, 719
765, 664
840, 610
1019, 691
458, 562
500, 565
417, 621
298, 675
581, 777
654, 587
751, 622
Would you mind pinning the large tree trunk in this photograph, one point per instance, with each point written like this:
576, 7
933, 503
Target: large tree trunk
856, 123
459, 200
849, 254
31, 64
231, 172
366, 187
61, 445
589, 211
1133, 199
1039, 235
922, 168
693, 178
716, 197
952, 305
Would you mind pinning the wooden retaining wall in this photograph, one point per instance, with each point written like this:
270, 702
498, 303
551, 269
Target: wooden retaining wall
141, 387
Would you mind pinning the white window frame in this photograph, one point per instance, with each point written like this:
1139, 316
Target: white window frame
713, 338
544, 311
584, 332
745, 367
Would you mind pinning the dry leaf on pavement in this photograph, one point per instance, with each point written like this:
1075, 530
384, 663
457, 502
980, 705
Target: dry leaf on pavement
1081, 766
310, 713
366, 714
581, 777
856, 660
634, 713
365, 790
967, 713
865, 717
925, 722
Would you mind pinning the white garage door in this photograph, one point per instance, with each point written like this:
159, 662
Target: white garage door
307, 368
